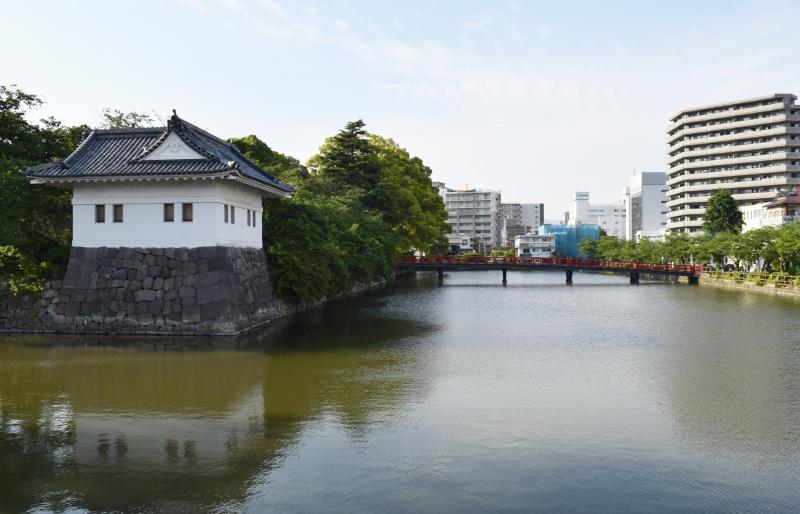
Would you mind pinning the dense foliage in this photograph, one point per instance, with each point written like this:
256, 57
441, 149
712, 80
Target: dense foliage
363, 201
722, 214
35, 221
764, 248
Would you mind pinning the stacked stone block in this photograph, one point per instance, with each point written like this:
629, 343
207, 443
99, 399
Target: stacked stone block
208, 290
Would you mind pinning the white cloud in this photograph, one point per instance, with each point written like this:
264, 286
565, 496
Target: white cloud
341, 25
234, 6
197, 5
274, 7
477, 22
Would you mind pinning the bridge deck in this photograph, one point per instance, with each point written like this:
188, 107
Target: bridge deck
478, 263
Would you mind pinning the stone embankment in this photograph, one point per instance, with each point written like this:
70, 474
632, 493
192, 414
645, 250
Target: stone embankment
779, 284
154, 291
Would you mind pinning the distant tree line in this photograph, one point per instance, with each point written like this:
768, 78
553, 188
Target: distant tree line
765, 249
357, 204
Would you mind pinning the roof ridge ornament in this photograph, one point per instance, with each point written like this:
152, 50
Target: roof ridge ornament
174, 121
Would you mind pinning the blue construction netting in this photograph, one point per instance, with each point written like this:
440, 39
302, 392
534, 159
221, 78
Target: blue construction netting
568, 237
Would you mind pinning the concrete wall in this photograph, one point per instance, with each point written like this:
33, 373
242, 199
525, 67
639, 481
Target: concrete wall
143, 222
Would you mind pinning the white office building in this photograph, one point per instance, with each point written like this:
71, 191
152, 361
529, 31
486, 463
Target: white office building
609, 216
645, 206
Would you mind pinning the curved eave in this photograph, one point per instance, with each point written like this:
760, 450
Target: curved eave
125, 178
266, 189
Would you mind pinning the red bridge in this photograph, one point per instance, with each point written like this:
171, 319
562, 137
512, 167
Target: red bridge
441, 264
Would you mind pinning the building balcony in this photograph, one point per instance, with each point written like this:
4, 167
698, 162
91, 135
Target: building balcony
764, 196
783, 117
747, 134
752, 147
746, 184
733, 161
740, 173
673, 225
728, 113
687, 212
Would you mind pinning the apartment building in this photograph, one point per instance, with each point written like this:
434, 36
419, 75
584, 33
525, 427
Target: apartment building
749, 147
519, 219
474, 214
645, 206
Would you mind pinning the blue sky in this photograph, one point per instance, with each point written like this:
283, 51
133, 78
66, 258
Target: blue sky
536, 99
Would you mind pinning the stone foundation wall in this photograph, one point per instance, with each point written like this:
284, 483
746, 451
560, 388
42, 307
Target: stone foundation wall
708, 280
178, 291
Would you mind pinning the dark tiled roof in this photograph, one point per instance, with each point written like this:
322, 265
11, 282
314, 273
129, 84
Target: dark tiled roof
121, 152
790, 197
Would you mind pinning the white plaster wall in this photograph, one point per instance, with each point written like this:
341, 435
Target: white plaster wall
143, 221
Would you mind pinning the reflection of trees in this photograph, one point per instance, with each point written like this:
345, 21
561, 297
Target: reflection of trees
735, 387
129, 426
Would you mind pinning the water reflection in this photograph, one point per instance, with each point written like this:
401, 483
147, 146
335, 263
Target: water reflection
146, 424
733, 379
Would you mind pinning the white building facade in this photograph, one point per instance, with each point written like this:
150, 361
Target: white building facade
177, 186
609, 216
475, 214
749, 147
535, 245
645, 206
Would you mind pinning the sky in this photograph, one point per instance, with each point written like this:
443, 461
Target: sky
535, 99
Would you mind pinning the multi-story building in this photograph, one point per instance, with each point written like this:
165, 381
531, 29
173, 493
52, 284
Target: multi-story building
784, 208
534, 245
609, 216
749, 147
510, 230
645, 206
474, 214
519, 219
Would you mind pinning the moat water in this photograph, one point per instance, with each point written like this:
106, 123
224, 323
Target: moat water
472, 397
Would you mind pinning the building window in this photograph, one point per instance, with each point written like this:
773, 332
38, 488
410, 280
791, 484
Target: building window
188, 212
233, 214
117, 213
169, 212
254, 218
99, 213
248, 217
226, 213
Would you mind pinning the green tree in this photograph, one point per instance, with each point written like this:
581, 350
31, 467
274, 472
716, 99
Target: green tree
787, 245
722, 214
407, 199
588, 248
35, 221
348, 159
283, 167
679, 248
116, 119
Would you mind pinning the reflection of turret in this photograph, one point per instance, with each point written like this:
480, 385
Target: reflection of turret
129, 426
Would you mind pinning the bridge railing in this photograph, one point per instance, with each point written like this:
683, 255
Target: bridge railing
545, 262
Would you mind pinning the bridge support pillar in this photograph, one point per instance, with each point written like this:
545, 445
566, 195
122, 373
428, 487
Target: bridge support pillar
504, 276
440, 271
694, 279
569, 277
634, 278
